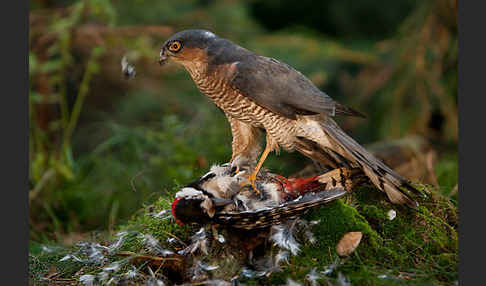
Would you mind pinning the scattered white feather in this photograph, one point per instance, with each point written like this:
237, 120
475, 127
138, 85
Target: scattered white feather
391, 214
282, 256
291, 282
96, 256
71, 256
310, 236
112, 280
216, 283
103, 276
94, 251
206, 267
117, 244
65, 258
132, 273
198, 241
171, 240
313, 276
87, 279
221, 238
390, 277
163, 214
154, 245
127, 69
249, 273
47, 249
153, 281
97, 246
331, 267
342, 280
113, 267
282, 237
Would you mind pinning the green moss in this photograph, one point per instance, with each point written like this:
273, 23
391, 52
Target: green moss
447, 170
160, 228
42, 263
336, 219
417, 247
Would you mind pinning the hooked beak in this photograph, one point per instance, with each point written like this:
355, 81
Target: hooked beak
163, 57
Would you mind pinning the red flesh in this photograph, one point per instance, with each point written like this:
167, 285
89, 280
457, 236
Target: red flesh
299, 186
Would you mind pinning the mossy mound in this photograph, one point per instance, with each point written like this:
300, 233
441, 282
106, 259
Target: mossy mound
417, 247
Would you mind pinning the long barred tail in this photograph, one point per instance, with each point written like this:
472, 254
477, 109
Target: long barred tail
380, 175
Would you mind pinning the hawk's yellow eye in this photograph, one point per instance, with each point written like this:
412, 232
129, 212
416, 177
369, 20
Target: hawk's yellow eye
175, 46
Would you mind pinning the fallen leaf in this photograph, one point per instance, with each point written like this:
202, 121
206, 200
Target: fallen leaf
348, 243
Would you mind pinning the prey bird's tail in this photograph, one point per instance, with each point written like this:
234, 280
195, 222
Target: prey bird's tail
338, 149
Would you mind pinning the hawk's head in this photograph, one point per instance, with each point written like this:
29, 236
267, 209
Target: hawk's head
196, 49
187, 46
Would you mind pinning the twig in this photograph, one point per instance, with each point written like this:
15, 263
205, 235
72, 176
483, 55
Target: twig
40, 185
454, 190
91, 69
133, 179
147, 257
168, 233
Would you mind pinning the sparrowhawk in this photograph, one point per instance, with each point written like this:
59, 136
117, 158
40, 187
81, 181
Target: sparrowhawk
260, 93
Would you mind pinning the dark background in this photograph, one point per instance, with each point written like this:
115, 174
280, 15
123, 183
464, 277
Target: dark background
102, 145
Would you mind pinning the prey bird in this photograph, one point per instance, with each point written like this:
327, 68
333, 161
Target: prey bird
259, 93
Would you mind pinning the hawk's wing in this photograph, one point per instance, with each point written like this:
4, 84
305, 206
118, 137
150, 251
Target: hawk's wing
283, 90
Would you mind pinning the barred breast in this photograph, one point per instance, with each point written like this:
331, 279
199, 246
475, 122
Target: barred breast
280, 129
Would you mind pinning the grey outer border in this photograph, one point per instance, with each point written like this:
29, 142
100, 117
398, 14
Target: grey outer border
471, 80
14, 23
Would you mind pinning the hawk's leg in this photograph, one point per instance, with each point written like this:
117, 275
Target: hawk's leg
254, 174
270, 146
245, 144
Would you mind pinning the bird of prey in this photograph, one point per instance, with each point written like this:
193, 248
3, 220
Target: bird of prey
260, 93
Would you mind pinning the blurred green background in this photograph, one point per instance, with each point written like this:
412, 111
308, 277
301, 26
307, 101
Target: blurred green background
102, 146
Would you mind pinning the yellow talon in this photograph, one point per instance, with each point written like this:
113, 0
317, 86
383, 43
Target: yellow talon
252, 179
250, 183
253, 176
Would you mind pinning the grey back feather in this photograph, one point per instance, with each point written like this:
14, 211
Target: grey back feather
272, 84
280, 88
